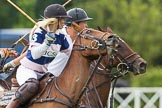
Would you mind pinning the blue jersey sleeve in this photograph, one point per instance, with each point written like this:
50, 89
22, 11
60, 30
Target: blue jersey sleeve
38, 37
61, 40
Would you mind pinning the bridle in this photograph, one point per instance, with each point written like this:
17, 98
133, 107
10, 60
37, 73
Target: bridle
126, 62
97, 43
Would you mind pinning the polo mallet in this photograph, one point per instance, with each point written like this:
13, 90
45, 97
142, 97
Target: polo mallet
66, 3
22, 12
21, 39
26, 15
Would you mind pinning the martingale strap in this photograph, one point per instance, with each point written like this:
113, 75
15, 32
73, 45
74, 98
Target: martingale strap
88, 81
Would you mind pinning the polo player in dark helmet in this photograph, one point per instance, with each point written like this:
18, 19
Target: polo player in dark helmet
78, 16
45, 43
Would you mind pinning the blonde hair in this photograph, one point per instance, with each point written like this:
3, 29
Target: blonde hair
44, 24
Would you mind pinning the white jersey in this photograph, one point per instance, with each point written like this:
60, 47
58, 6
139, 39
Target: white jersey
54, 61
39, 54
61, 59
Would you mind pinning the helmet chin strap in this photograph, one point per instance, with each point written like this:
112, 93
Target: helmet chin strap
58, 23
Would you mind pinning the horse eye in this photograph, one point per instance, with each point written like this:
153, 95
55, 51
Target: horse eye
119, 46
88, 31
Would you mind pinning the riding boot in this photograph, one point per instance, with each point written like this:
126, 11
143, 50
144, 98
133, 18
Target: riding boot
24, 93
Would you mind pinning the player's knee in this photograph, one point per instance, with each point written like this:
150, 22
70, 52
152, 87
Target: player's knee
27, 90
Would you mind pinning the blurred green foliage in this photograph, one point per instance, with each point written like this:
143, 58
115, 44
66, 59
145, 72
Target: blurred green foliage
138, 22
152, 78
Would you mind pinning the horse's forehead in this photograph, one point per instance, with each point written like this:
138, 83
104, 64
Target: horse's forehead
93, 31
124, 44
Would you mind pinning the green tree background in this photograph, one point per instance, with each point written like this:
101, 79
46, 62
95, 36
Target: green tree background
138, 22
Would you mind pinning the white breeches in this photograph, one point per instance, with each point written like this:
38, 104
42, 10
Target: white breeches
55, 67
23, 74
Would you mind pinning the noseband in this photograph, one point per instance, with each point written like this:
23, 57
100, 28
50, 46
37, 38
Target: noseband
128, 61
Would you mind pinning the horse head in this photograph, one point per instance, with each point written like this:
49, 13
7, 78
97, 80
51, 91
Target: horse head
91, 40
125, 57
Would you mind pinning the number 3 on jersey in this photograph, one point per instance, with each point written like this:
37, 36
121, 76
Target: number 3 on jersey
34, 37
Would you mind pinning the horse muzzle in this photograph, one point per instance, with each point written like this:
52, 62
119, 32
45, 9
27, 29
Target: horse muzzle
139, 66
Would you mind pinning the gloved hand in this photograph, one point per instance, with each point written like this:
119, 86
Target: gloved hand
8, 52
50, 38
12, 52
8, 66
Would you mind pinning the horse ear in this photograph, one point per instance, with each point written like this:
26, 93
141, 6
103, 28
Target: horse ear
109, 30
100, 29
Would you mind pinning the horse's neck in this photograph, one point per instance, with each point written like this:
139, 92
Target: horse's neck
101, 82
75, 74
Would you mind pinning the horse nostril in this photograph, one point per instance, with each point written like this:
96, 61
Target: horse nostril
143, 66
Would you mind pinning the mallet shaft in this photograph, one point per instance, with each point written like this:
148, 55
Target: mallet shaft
22, 11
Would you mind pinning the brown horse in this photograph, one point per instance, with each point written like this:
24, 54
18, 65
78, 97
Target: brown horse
124, 59
63, 92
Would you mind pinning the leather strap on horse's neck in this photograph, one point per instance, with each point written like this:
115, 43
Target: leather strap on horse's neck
88, 81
